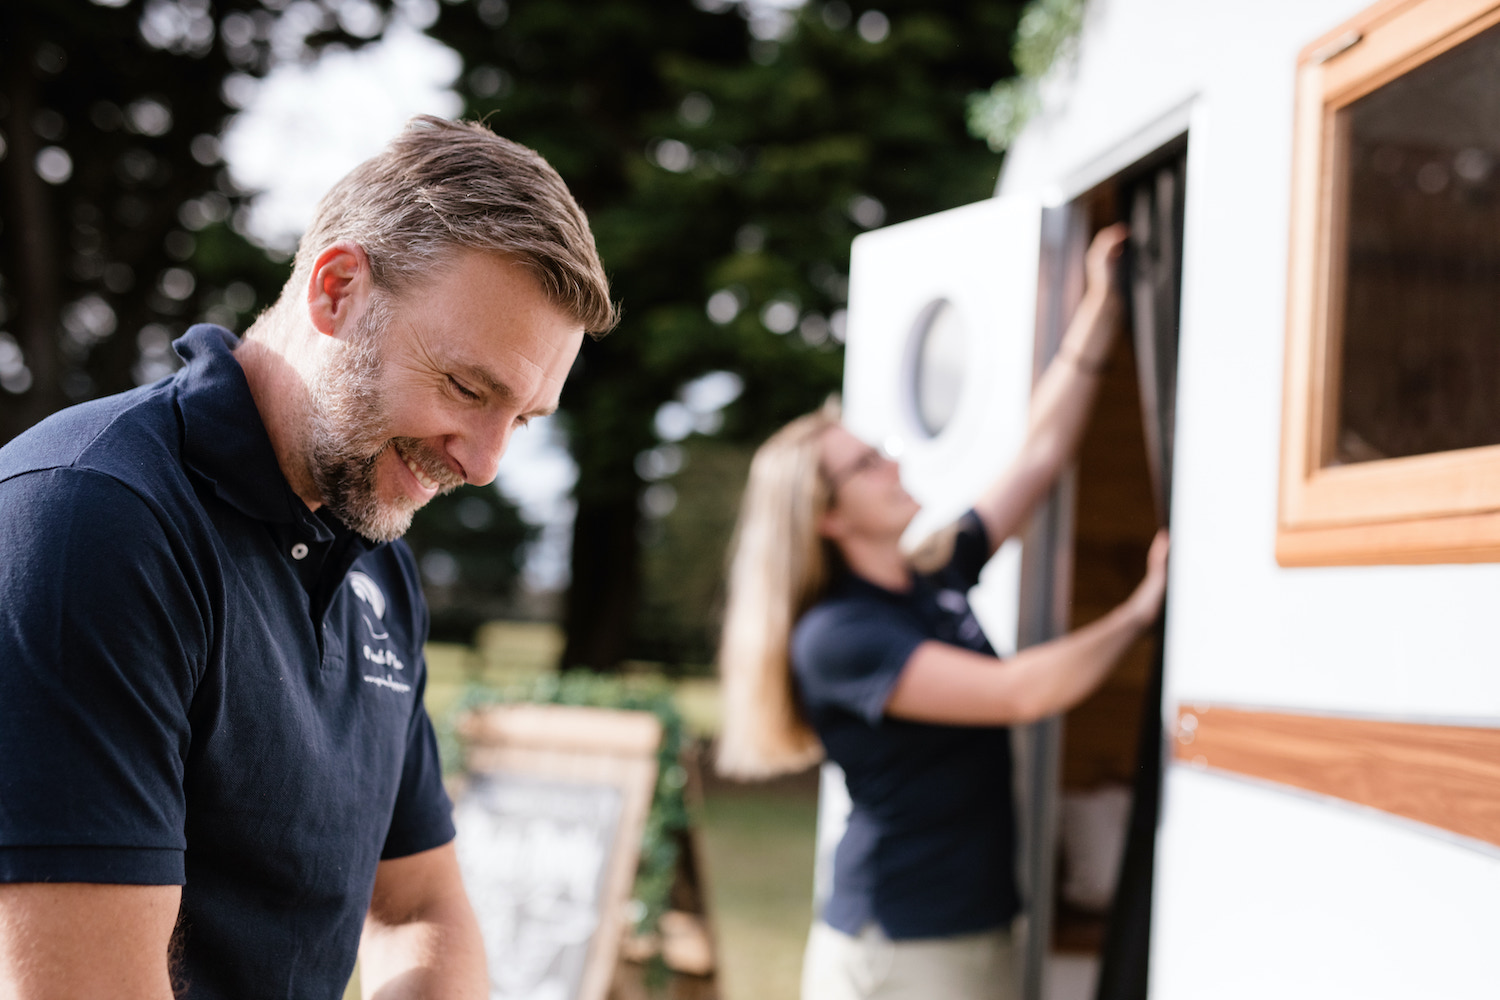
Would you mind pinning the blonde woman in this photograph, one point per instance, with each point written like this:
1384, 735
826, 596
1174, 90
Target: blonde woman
836, 642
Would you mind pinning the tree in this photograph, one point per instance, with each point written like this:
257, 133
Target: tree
470, 545
725, 160
119, 220
581, 82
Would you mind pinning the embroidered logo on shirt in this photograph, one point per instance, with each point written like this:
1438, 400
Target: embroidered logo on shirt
953, 601
386, 682
368, 591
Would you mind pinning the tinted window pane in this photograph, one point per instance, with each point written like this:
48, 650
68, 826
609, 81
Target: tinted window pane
1421, 303
938, 372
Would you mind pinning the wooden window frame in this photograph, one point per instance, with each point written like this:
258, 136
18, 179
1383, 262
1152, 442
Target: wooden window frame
1437, 508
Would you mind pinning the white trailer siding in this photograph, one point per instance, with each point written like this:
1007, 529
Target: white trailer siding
1263, 891
1401, 641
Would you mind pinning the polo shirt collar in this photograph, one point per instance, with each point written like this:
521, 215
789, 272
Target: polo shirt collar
224, 439
849, 583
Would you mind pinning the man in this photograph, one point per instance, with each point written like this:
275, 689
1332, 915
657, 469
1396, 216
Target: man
216, 775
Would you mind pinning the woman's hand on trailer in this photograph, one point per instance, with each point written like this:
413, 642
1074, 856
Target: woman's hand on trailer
1064, 395
954, 686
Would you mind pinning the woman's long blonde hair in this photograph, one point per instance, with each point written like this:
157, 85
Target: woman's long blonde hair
779, 567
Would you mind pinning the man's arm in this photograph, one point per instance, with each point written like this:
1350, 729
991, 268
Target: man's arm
64, 940
421, 939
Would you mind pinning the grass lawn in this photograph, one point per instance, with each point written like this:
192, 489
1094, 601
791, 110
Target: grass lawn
759, 842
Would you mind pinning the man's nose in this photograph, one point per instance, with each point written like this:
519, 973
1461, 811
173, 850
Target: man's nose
479, 448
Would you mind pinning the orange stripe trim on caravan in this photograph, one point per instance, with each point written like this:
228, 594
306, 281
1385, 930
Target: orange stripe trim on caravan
1444, 776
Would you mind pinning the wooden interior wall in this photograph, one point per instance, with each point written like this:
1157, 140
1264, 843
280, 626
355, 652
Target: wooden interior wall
1114, 524
1114, 520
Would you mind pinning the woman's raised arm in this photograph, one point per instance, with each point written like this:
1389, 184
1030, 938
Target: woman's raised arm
1063, 397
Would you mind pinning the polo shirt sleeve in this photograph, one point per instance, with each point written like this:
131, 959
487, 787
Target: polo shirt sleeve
971, 550
102, 642
423, 817
848, 655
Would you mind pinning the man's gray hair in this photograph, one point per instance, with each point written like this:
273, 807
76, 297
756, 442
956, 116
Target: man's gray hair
442, 186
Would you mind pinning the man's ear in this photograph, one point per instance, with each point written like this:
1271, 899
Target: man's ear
339, 287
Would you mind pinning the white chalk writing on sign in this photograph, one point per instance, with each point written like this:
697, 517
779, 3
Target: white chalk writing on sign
534, 855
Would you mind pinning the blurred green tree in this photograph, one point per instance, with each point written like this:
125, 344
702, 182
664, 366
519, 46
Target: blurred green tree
120, 224
682, 559
470, 546
727, 153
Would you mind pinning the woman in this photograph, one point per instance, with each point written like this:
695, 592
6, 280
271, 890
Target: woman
835, 641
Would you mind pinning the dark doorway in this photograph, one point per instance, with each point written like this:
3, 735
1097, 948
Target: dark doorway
1099, 768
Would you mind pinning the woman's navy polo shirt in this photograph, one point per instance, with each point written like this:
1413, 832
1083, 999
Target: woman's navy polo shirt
204, 684
930, 846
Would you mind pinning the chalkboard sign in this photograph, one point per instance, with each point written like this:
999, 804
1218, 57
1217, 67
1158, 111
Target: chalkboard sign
549, 832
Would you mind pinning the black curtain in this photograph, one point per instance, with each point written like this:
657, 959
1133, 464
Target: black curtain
1152, 203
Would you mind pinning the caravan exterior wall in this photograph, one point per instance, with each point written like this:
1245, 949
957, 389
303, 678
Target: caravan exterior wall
1263, 890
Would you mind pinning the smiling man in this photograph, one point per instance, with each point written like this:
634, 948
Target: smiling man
216, 775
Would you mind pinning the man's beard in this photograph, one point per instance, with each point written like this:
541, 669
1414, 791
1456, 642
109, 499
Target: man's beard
348, 438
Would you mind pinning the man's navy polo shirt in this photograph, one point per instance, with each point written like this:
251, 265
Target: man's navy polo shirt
203, 684
930, 847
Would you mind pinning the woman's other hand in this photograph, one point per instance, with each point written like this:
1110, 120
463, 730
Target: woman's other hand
1147, 599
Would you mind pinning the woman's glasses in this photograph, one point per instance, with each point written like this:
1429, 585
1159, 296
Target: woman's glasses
869, 459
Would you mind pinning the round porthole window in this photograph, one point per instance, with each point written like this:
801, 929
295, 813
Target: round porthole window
935, 362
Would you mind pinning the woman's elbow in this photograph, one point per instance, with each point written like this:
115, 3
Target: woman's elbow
1026, 708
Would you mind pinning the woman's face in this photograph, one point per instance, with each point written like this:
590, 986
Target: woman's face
867, 500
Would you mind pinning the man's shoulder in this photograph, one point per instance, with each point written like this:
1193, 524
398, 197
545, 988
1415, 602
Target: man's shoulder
132, 437
110, 470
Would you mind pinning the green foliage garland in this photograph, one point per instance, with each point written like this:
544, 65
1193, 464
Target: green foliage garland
1048, 30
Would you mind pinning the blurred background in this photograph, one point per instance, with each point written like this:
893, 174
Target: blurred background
159, 158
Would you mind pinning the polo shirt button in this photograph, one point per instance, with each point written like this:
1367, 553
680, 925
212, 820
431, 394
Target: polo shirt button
299, 551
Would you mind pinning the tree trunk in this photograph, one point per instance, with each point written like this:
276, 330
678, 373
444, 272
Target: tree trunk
603, 596
30, 251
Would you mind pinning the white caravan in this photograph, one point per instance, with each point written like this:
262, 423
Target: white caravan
1310, 386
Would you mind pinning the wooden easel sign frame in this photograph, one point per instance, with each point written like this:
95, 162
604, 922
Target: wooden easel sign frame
550, 821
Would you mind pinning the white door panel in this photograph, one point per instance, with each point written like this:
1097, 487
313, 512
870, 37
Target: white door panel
981, 260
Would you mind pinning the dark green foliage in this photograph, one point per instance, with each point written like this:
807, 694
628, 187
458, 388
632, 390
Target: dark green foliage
470, 545
683, 563
131, 239
710, 160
